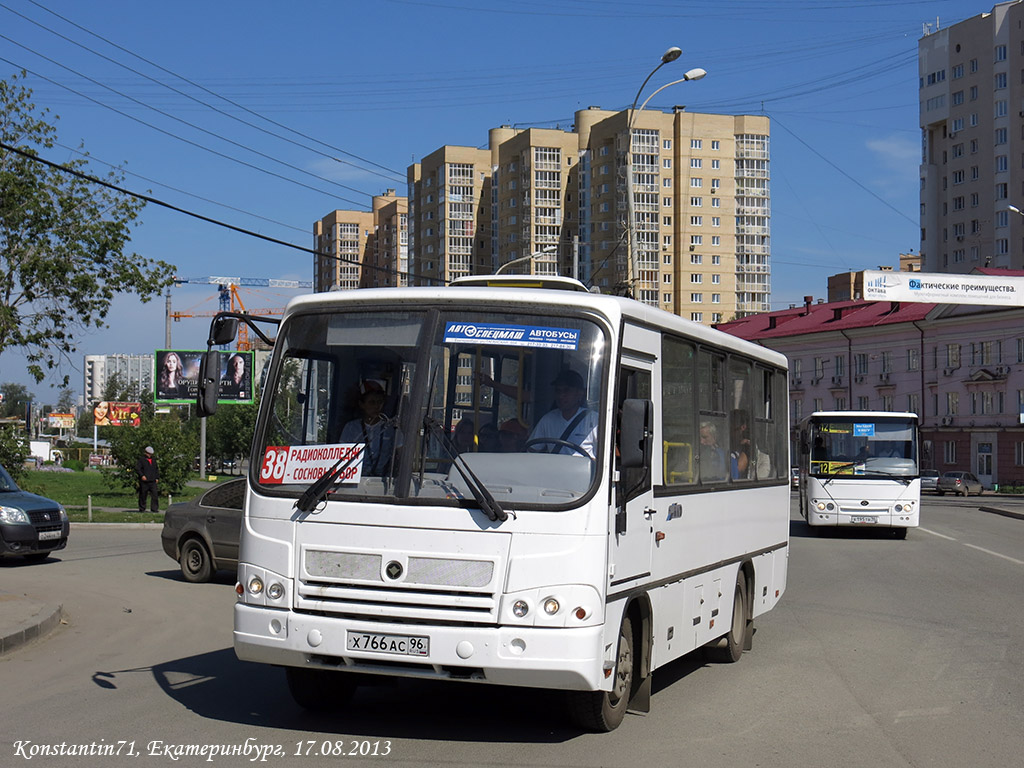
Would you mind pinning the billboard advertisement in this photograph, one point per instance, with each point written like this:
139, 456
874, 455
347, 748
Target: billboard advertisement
107, 413
60, 420
176, 376
944, 288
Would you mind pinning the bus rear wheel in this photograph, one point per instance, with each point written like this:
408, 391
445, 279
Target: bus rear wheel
603, 711
729, 648
320, 690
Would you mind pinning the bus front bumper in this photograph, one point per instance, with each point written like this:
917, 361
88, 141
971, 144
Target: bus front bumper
569, 659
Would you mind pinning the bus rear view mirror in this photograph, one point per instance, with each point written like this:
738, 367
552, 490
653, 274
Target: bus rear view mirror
223, 330
209, 383
635, 433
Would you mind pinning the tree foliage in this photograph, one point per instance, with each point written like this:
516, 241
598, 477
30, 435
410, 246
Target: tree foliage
63, 242
229, 431
16, 396
13, 452
175, 450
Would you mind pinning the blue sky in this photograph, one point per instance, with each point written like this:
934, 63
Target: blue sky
323, 104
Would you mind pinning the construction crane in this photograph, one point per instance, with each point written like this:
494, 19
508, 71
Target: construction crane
231, 301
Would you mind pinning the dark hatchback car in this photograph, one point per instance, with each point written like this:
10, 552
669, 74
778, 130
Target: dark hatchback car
202, 534
31, 526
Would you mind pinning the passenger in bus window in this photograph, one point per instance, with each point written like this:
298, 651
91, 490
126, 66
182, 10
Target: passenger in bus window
380, 437
568, 421
711, 456
740, 464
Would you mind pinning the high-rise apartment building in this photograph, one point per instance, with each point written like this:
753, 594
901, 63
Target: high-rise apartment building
972, 117
450, 210
556, 202
363, 249
133, 372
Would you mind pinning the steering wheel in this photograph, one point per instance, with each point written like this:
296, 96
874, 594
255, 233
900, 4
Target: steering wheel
559, 442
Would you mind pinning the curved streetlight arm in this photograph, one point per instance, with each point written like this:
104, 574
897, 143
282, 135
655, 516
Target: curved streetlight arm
527, 257
693, 74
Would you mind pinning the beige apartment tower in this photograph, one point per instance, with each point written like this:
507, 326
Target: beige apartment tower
363, 249
450, 215
548, 201
971, 116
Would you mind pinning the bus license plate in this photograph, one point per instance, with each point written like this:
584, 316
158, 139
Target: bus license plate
45, 535
397, 645
855, 519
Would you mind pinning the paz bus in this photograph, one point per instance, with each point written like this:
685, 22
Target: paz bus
860, 468
508, 480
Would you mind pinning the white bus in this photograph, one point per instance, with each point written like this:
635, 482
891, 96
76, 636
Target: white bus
860, 468
465, 534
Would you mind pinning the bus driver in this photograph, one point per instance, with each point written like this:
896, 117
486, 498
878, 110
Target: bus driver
568, 421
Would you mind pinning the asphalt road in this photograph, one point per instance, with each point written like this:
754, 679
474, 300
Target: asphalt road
882, 653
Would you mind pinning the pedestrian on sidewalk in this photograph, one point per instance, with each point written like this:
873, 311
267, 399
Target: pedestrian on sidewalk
148, 473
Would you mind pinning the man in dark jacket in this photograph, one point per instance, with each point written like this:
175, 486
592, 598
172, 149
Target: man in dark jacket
148, 475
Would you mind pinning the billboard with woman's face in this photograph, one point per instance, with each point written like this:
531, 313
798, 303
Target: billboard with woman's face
107, 413
176, 378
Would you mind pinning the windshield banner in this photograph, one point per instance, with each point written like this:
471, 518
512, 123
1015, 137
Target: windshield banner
308, 463
511, 335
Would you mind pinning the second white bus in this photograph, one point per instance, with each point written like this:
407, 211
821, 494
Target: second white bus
860, 468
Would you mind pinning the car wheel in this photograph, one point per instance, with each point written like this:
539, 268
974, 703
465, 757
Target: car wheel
602, 711
196, 565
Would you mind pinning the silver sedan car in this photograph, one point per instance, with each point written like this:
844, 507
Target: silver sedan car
960, 483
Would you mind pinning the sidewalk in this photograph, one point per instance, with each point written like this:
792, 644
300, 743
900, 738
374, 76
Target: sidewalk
23, 619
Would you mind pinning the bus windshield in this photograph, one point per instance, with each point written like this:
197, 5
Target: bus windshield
858, 445
411, 399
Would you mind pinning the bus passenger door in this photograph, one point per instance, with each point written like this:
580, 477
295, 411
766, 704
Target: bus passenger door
633, 500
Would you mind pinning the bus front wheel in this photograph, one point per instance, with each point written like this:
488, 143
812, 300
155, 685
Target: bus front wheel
602, 711
320, 690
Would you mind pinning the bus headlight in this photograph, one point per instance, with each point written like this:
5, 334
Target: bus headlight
275, 591
520, 608
551, 606
255, 585
821, 506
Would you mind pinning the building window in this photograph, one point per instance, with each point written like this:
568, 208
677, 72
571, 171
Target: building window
952, 403
863, 403
913, 359
860, 364
949, 452
1000, 53
695, 162
715, 144
695, 143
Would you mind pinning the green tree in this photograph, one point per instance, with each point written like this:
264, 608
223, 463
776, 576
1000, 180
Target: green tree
16, 396
66, 401
175, 451
229, 431
13, 452
63, 241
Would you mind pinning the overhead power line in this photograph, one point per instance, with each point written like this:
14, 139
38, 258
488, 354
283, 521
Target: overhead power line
392, 174
201, 217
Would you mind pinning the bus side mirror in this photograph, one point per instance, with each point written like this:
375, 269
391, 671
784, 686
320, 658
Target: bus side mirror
223, 330
209, 383
636, 433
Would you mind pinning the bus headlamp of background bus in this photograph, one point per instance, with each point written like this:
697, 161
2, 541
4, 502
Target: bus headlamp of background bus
571, 605
257, 586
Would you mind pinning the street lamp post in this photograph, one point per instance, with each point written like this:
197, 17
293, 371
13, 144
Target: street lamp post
528, 257
694, 74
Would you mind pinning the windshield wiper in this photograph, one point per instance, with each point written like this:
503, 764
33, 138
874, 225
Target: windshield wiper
317, 492
487, 502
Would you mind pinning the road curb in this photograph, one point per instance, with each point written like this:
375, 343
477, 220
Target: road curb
1003, 512
152, 526
23, 620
